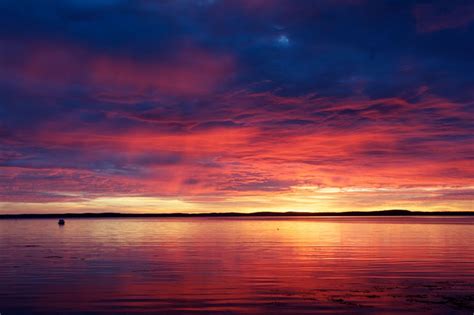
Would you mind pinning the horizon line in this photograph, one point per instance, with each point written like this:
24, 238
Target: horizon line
390, 212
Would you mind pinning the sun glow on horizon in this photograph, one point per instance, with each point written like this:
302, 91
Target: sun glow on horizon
300, 199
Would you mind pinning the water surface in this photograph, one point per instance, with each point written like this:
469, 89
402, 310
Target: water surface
330, 265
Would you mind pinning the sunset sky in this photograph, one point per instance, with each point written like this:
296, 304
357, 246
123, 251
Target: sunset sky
236, 105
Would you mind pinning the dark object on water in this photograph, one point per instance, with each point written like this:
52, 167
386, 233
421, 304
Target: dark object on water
61, 222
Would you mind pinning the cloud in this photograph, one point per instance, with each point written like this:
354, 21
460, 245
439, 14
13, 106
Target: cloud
189, 71
350, 142
441, 16
194, 101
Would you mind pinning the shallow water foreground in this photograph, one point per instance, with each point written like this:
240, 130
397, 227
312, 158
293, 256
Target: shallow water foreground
331, 265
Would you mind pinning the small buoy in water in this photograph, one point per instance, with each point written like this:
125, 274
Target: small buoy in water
61, 222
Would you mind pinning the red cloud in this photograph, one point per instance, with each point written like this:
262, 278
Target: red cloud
401, 150
190, 71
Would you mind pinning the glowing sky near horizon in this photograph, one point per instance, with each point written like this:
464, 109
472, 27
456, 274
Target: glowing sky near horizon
228, 105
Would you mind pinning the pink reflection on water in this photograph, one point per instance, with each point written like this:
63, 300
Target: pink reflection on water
245, 266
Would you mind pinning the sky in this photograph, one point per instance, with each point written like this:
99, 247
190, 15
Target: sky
236, 105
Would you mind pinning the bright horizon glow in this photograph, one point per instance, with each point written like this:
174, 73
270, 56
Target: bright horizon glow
302, 199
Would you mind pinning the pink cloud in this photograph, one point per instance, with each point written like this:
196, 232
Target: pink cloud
190, 71
260, 155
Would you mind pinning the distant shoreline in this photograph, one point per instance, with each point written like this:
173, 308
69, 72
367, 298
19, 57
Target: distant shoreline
236, 214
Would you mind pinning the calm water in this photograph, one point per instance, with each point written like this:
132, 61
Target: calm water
238, 266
